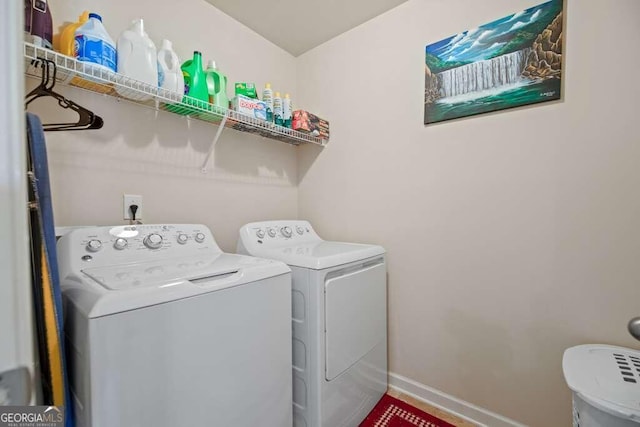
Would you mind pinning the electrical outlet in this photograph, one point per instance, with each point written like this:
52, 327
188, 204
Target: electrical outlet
132, 199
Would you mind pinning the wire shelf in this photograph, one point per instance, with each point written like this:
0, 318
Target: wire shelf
94, 78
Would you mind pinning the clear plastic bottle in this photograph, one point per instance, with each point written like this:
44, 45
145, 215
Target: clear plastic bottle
169, 73
137, 58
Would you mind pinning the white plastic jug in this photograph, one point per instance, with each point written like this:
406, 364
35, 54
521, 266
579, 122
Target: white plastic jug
169, 73
94, 45
137, 58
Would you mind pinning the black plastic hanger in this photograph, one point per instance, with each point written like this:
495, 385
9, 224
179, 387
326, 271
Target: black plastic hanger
86, 118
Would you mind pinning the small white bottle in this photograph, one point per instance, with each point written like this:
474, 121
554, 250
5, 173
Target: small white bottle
169, 73
137, 58
267, 98
286, 111
277, 109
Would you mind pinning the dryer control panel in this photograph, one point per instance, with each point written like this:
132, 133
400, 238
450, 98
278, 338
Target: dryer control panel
278, 233
297, 244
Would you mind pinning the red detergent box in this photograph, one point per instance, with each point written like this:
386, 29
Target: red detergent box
305, 121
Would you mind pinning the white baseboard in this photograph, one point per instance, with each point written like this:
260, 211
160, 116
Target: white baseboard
448, 403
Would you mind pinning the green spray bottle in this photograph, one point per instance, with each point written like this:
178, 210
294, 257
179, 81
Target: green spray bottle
195, 82
217, 86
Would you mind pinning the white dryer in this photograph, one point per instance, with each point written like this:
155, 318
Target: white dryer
339, 316
163, 329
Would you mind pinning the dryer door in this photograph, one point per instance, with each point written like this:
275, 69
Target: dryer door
355, 316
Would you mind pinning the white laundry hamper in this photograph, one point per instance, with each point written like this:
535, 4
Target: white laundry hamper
605, 381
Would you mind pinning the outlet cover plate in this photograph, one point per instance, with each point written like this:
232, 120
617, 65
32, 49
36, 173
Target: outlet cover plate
132, 199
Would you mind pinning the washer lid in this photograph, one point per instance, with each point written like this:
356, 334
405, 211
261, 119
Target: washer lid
106, 290
606, 377
160, 272
321, 254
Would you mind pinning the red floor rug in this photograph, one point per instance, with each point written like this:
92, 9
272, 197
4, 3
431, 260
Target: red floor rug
391, 412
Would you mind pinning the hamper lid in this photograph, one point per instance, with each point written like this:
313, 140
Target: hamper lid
606, 377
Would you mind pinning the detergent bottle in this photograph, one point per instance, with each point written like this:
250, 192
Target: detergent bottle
217, 84
94, 44
267, 98
211, 82
277, 110
137, 58
195, 81
286, 111
169, 72
68, 35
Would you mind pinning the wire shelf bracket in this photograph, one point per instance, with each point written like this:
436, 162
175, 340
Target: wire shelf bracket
214, 142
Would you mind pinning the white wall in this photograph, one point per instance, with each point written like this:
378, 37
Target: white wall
159, 155
511, 236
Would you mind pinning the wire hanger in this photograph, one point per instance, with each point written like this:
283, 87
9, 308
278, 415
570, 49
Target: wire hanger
86, 118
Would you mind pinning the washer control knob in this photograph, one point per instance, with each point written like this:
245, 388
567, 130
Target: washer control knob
200, 237
286, 231
271, 232
153, 241
94, 245
299, 230
182, 238
260, 234
120, 243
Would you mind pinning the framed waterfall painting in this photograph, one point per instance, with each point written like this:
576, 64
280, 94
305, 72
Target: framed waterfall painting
510, 62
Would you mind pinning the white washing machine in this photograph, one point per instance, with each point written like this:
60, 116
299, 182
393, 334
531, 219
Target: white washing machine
163, 329
339, 316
